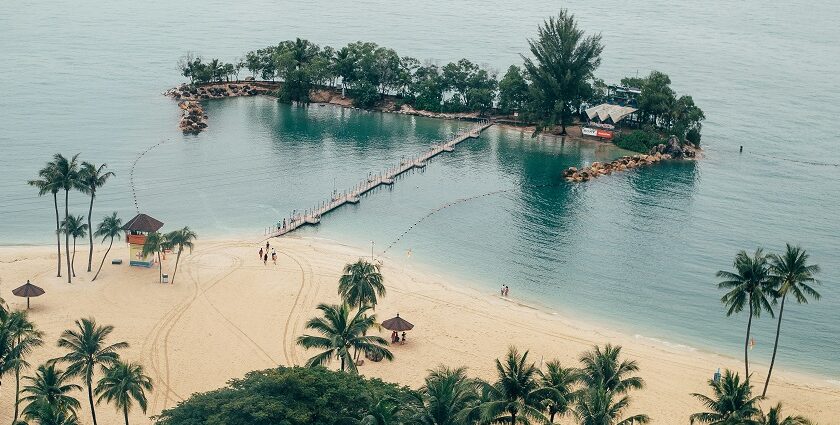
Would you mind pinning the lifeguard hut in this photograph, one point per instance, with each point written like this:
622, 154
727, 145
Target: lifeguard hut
136, 230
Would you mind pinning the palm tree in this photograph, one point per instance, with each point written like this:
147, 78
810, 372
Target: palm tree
516, 396
26, 337
792, 275
181, 239
109, 228
386, 411
45, 414
74, 226
597, 406
563, 64
749, 284
446, 398
340, 333
50, 387
87, 351
360, 284
48, 182
155, 243
731, 404
66, 173
602, 369
91, 179
774, 417
563, 380
123, 384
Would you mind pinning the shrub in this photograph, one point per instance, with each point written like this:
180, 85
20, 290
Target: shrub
639, 141
693, 137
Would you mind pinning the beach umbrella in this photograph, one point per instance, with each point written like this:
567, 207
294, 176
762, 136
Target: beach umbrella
397, 324
28, 290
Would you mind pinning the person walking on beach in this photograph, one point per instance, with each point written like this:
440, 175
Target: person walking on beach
507, 290
261, 253
265, 258
274, 256
266, 246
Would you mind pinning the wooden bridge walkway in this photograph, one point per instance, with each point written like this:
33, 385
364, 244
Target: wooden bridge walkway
313, 215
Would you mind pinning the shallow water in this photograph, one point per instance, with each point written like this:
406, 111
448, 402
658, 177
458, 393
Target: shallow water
636, 250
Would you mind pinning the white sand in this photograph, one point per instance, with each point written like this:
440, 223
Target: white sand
227, 314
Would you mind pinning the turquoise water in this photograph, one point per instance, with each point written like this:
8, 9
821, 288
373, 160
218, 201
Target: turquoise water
636, 250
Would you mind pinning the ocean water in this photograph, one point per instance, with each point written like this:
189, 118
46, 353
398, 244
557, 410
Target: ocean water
637, 250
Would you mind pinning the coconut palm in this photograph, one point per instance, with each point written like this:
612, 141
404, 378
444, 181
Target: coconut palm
386, 411
339, 333
732, 403
563, 380
791, 275
774, 417
516, 396
26, 337
74, 226
45, 414
155, 243
110, 228
361, 284
124, 384
603, 369
66, 173
446, 398
748, 285
597, 406
87, 351
51, 387
48, 182
180, 239
91, 178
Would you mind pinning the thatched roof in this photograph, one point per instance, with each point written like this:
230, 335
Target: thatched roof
609, 113
142, 223
28, 290
397, 324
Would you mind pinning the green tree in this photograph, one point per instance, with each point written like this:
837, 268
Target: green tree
446, 397
361, 284
513, 90
180, 239
110, 228
657, 99
23, 336
49, 387
516, 396
598, 406
154, 244
563, 380
732, 403
775, 417
66, 173
562, 68
427, 88
74, 226
123, 384
603, 368
748, 285
294, 62
791, 275
91, 179
339, 334
45, 414
87, 350
49, 181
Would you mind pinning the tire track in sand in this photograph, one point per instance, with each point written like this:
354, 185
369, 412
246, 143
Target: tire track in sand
307, 290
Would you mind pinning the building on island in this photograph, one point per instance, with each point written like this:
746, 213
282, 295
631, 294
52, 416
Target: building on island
136, 230
601, 121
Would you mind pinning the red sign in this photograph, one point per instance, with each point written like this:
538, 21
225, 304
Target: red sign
604, 134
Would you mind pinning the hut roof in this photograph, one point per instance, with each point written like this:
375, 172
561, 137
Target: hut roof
605, 110
142, 223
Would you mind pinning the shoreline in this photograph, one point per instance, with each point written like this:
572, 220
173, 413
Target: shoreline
458, 322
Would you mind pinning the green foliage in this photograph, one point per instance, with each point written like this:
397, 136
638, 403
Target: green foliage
364, 94
124, 384
513, 90
659, 105
361, 284
639, 140
693, 137
285, 396
732, 402
200, 72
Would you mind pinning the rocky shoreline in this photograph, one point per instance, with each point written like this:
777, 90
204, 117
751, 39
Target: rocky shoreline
193, 117
662, 152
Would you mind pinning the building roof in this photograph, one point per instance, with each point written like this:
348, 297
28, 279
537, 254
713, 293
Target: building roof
142, 223
605, 111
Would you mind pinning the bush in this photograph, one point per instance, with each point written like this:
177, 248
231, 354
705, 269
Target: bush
639, 141
693, 137
284, 396
364, 94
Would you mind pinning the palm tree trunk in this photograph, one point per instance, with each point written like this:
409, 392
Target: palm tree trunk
90, 232
513, 418
17, 393
160, 269
177, 259
747, 342
125, 414
342, 363
90, 398
67, 235
103, 259
551, 417
73, 261
57, 231
775, 345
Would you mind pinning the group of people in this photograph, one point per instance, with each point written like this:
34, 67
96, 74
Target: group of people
504, 291
395, 338
263, 255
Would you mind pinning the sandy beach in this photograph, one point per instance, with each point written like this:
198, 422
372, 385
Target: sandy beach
227, 314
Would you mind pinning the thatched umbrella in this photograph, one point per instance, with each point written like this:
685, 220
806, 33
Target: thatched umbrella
28, 290
397, 324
